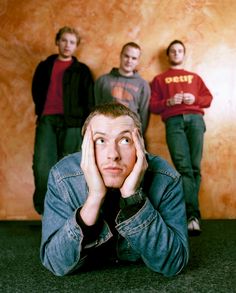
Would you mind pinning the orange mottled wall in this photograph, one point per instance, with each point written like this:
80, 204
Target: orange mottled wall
27, 36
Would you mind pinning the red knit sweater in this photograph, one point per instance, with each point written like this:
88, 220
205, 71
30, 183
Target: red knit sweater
167, 84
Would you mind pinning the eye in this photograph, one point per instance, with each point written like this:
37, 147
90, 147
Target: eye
125, 140
99, 140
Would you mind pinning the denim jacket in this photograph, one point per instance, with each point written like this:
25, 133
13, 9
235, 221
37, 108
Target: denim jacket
157, 233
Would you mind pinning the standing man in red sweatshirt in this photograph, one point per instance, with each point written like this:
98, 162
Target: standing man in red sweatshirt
62, 91
180, 96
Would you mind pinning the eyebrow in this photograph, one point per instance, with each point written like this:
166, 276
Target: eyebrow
105, 134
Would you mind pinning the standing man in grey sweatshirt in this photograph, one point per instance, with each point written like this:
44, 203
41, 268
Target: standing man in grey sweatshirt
125, 85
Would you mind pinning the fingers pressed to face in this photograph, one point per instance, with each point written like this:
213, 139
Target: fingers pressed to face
138, 141
87, 146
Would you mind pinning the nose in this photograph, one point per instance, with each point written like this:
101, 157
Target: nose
113, 152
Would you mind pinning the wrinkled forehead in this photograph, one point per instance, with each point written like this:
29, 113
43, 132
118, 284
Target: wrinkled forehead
111, 125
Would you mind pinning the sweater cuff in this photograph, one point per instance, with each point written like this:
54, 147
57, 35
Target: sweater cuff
90, 232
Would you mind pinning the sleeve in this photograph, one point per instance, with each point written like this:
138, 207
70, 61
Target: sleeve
90, 233
89, 89
157, 104
159, 233
61, 243
63, 249
40, 83
36, 87
144, 106
102, 91
204, 97
97, 91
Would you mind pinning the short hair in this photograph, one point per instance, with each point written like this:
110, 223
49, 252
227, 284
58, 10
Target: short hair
67, 29
175, 42
130, 44
113, 110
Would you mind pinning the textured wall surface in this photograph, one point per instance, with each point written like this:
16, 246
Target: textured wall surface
27, 36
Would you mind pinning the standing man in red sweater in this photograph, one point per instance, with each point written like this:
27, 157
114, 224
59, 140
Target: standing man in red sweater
179, 96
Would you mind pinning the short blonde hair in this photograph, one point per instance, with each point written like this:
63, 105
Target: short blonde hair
67, 29
112, 110
130, 44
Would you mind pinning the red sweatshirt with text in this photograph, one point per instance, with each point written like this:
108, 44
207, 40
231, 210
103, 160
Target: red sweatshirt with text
173, 81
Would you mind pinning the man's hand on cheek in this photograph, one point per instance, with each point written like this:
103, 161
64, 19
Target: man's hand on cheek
132, 182
88, 164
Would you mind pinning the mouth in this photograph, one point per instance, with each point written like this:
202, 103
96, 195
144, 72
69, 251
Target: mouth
112, 170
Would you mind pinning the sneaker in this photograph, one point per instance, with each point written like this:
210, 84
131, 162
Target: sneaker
194, 227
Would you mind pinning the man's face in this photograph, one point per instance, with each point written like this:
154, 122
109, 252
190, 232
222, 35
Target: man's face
67, 46
115, 152
176, 54
129, 59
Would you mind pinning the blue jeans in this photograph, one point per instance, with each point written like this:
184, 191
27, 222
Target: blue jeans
184, 136
53, 141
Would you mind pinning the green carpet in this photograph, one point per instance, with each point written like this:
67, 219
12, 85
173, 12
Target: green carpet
212, 265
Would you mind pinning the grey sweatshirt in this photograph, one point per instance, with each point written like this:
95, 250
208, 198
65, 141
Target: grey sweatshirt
132, 91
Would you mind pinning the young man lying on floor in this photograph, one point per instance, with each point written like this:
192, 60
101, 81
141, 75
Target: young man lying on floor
114, 201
